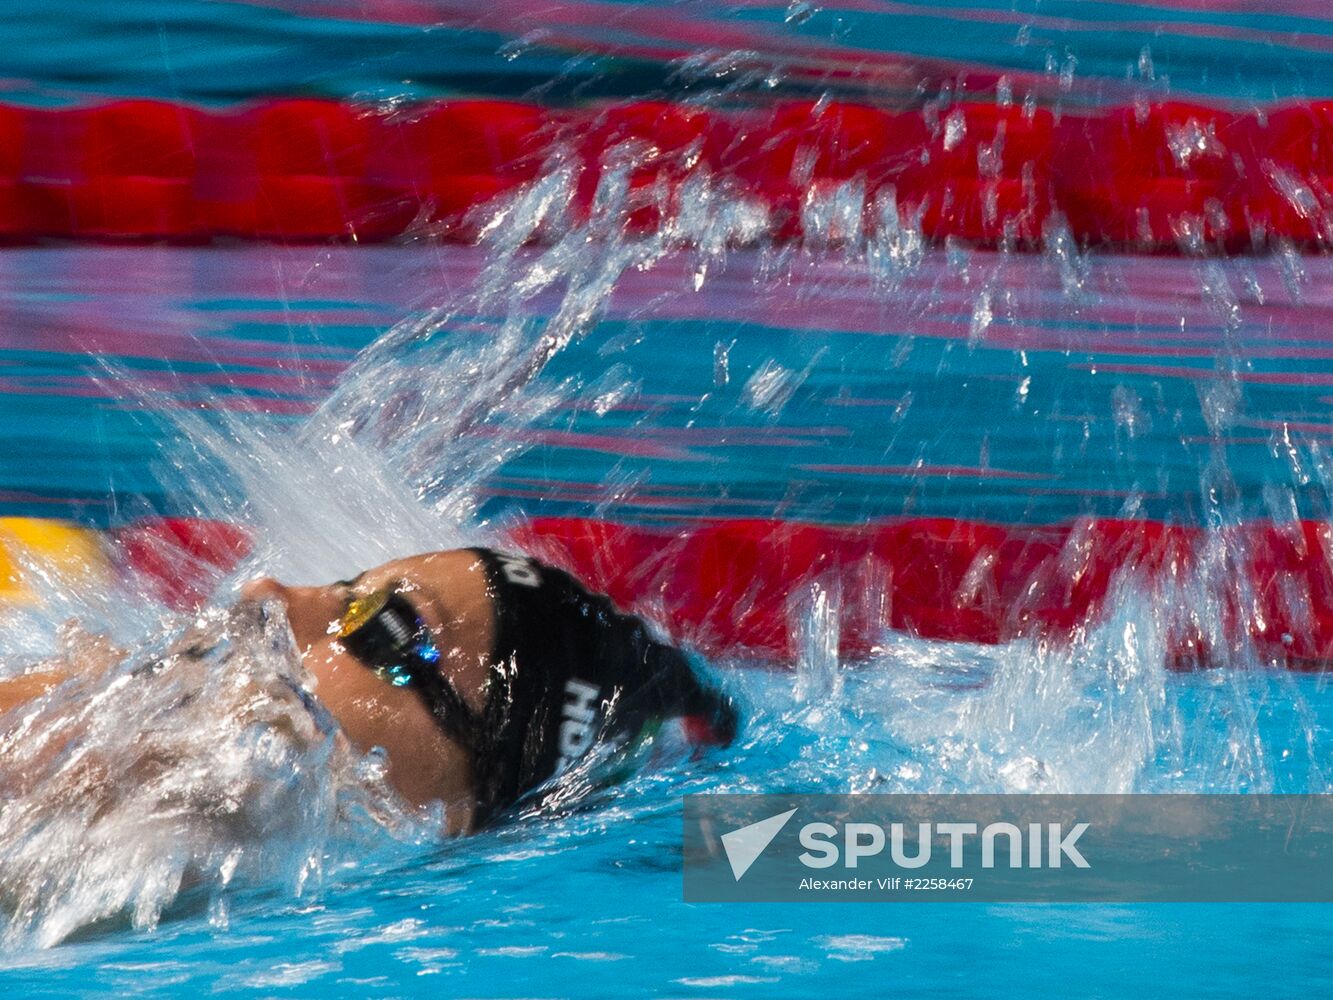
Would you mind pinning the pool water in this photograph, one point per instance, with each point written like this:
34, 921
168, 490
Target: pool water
886, 401
976, 385
769, 382
588, 904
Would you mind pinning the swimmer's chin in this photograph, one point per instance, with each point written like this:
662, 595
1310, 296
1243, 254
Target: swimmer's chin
269, 618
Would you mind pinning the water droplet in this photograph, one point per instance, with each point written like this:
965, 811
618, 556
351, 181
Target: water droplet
722, 363
982, 315
1021, 395
1127, 410
955, 127
770, 387
1067, 72
800, 11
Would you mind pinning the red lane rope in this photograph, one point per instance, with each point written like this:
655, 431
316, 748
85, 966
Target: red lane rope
744, 587
1167, 177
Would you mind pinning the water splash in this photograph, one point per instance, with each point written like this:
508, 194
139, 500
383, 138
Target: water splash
205, 765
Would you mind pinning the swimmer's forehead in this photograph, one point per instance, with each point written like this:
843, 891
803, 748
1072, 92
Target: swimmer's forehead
426, 570
431, 580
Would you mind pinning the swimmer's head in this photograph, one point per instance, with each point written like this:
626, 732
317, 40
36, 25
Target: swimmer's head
405, 657
447, 593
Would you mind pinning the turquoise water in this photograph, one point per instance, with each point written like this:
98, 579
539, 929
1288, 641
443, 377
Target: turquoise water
891, 402
589, 904
1075, 50
828, 395
1019, 389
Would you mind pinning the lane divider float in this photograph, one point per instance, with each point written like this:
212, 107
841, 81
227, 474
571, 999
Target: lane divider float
745, 588
1167, 177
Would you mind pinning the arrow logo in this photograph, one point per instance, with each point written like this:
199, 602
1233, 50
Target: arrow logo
744, 846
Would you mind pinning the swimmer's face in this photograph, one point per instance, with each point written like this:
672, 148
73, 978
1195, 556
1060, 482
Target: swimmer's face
448, 592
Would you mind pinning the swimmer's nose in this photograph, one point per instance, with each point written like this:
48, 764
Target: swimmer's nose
264, 589
310, 610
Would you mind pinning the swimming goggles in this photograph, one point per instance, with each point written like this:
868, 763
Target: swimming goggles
386, 634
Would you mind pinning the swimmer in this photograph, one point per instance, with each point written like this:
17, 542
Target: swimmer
438, 694
480, 675
483, 675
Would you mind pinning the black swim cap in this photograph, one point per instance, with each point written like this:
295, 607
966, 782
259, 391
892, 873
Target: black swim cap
575, 671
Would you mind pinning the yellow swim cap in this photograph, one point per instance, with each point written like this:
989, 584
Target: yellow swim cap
68, 551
